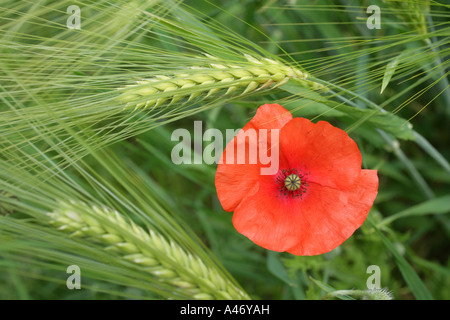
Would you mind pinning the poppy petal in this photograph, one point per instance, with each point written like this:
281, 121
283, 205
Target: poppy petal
317, 223
265, 217
269, 116
333, 215
235, 181
330, 156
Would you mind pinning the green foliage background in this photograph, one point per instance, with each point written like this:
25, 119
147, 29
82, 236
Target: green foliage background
64, 135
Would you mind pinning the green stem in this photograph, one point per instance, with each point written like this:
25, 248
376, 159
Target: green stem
443, 84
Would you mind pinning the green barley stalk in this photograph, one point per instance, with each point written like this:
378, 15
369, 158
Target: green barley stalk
162, 258
5, 204
412, 12
217, 77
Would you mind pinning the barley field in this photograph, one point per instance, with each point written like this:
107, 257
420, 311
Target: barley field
114, 118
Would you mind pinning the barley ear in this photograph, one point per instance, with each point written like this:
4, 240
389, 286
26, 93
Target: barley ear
213, 79
162, 258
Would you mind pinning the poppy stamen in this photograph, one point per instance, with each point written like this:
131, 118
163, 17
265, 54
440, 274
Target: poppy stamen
292, 182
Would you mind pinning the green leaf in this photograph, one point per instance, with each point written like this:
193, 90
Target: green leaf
433, 206
389, 71
410, 276
433, 266
432, 152
380, 120
386, 121
276, 267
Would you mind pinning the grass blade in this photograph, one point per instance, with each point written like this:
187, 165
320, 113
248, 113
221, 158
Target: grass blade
433, 206
389, 72
410, 276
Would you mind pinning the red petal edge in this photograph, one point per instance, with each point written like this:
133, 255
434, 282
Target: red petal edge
314, 225
236, 181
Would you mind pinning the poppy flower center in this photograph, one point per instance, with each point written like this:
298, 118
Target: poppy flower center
292, 182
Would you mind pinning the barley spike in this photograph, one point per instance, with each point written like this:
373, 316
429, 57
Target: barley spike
213, 79
161, 257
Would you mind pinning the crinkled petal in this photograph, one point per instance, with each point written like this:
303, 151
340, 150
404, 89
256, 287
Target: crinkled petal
317, 223
330, 156
269, 116
234, 181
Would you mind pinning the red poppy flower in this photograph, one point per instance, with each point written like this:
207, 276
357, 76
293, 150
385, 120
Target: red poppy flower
313, 202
